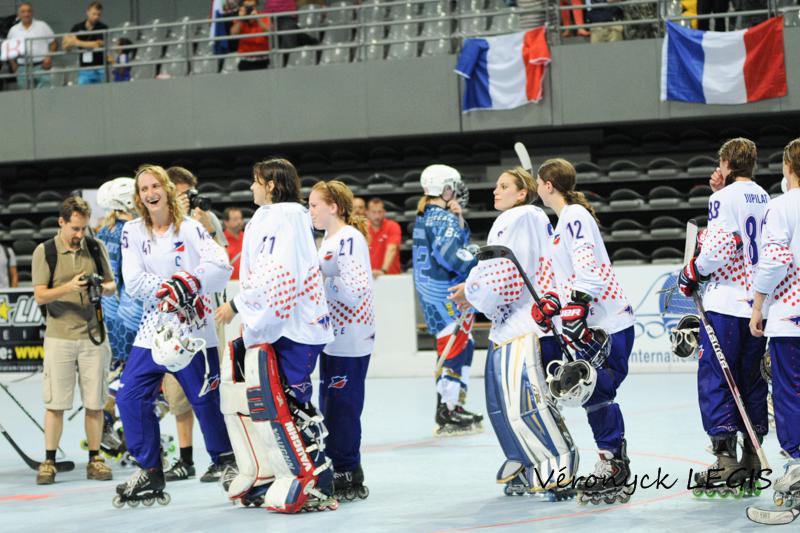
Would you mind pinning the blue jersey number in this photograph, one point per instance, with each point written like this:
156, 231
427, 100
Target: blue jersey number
713, 210
575, 229
751, 229
342, 247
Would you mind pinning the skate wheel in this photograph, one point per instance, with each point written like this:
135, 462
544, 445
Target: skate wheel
148, 502
163, 499
609, 499
711, 494
725, 494
117, 502
697, 493
133, 503
363, 492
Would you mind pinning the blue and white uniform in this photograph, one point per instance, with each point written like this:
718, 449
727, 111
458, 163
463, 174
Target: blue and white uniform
345, 263
529, 427
441, 260
581, 263
148, 259
729, 254
778, 276
122, 313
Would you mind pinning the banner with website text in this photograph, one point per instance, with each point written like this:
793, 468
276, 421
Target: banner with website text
21, 331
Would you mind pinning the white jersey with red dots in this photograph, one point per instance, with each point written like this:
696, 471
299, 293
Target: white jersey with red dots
281, 293
778, 270
344, 259
148, 259
581, 263
735, 215
495, 288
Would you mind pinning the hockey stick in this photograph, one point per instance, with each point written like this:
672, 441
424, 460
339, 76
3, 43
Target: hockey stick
450, 342
61, 466
496, 251
38, 425
691, 243
524, 156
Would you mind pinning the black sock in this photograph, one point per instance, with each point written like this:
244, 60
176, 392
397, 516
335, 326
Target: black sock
93, 453
50, 455
186, 455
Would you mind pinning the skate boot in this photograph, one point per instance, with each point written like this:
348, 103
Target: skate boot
787, 487
255, 496
179, 471
349, 486
725, 477
607, 482
450, 423
145, 486
229, 474
751, 465
477, 419
214, 472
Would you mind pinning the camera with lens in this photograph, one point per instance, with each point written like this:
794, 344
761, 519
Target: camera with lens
94, 286
197, 200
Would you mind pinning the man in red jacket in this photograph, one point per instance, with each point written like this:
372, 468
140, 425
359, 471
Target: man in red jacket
384, 240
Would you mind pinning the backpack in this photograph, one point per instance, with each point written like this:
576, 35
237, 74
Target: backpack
51, 258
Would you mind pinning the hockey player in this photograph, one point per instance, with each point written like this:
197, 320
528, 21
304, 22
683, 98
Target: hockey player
442, 258
589, 296
777, 287
285, 327
729, 253
170, 263
345, 263
534, 440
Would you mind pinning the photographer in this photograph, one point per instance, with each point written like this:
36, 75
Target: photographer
65, 280
249, 45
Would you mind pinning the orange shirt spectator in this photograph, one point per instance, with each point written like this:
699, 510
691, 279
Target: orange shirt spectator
234, 224
251, 44
384, 240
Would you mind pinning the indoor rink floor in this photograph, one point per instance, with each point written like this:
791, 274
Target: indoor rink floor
416, 482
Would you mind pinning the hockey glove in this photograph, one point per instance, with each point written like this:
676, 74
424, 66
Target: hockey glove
689, 279
576, 332
181, 291
549, 306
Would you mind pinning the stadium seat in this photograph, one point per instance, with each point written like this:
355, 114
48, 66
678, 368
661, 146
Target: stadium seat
205, 66
240, 191
309, 181
665, 227
435, 8
338, 18
4, 232
629, 256
702, 221
438, 47
370, 39
696, 139
230, 64
353, 182
372, 11
702, 166
213, 191
417, 155
410, 205
624, 169
48, 228
155, 32
47, 202
382, 156
656, 141
663, 167
247, 213
775, 190
411, 180
452, 154
472, 25
142, 72
626, 228
625, 199
506, 23
617, 143
22, 228
302, 57
20, 203
775, 162
308, 16
177, 69
402, 11
664, 196
335, 56
470, 6
392, 208
482, 152
404, 50
24, 278
204, 49
586, 171
699, 194
666, 255
24, 251
345, 159
439, 31
775, 134
595, 199
382, 182
312, 161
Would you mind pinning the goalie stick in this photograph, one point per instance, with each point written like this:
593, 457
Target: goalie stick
452, 340
36, 422
61, 466
689, 250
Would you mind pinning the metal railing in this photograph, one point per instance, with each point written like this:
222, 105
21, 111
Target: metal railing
353, 32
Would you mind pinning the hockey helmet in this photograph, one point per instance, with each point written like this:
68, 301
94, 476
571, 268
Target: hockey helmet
117, 195
599, 348
173, 345
437, 179
571, 383
685, 336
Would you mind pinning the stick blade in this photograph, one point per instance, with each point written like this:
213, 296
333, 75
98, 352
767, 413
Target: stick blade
691, 241
524, 156
772, 517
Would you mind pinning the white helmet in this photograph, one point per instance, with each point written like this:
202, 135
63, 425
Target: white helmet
173, 346
436, 179
685, 336
571, 383
117, 195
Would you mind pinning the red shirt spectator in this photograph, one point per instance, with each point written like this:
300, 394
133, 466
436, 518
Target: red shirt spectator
243, 27
384, 240
234, 223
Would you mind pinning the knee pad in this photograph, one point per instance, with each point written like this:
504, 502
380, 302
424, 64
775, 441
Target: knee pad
294, 434
248, 447
529, 426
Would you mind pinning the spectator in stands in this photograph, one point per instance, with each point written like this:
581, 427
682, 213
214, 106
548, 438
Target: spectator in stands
8, 268
125, 55
573, 16
640, 12
384, 240
706, 7
234, 234
249, 45
605, 34
87, 36
42, 44
359, 207
284, 23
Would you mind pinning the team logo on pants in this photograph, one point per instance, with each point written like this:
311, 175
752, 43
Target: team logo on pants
794, 320
338, 382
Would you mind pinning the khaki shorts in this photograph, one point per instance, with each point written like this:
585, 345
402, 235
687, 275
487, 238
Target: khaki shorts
173, 393
62, 357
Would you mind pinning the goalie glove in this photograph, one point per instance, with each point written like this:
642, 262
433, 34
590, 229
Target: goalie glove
574, 315
689, 279
181, 291
549, 305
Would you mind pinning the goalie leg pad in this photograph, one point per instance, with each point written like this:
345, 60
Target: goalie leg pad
529, 426
293, 433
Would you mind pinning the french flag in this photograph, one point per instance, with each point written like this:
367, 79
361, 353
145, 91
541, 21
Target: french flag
736, 67
505, 71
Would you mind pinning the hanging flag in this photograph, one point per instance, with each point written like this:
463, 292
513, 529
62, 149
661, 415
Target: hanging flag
505, 71
218, 28
736, 67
